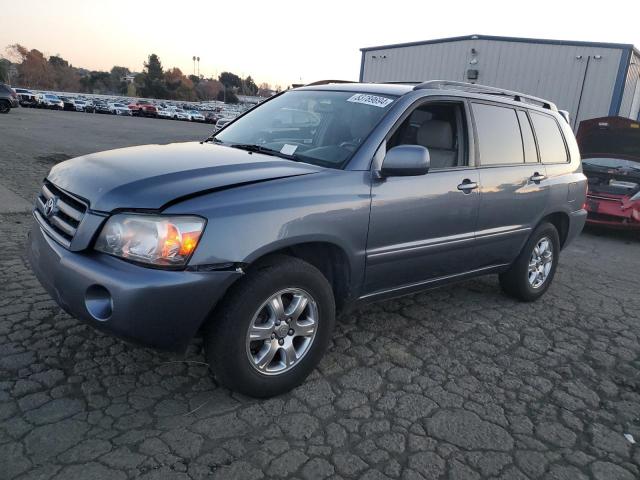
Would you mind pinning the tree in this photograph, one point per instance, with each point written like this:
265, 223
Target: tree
230, 80
227, 96
153, 85
249, 86
65, 77
153, 67
33, 69
96, 82
208, 89
173, 79
57, 61
5, 65
118, 82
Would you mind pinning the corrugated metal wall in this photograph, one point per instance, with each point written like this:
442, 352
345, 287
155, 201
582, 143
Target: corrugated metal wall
629, 108
557, 72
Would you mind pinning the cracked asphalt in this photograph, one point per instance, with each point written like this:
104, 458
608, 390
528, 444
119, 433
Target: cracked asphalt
457, 383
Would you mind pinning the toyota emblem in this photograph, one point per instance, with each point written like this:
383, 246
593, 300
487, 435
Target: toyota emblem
50, 206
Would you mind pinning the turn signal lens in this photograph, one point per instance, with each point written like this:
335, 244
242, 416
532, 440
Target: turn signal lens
154, 239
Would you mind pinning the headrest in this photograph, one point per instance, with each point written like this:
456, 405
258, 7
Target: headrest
436, 134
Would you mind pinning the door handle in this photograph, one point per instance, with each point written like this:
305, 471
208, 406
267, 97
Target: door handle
467, 185
537, 178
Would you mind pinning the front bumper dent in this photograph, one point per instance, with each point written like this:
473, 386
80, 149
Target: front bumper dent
156, 308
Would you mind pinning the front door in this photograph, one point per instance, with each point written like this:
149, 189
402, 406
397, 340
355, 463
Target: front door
422, 228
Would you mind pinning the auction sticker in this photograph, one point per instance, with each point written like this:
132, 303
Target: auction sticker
374, 100
288, 149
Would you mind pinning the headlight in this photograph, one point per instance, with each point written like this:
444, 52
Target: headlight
159, 240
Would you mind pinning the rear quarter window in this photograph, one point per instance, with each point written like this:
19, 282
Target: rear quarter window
550, 140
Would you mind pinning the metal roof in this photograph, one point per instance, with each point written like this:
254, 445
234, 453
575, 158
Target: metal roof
625, 46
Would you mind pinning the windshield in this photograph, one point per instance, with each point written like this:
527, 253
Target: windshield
319, 127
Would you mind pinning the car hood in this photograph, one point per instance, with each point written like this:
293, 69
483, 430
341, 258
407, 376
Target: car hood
151, 176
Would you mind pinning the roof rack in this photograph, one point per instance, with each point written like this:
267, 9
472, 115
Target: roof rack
485, 89
326, 82
412, 82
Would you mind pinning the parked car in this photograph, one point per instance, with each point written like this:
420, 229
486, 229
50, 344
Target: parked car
164, 112
143, 108
211, 117
179, 114
221, 123
119, 109
68, 104
101, 107
8, 98
258, 236
81, 105
49, 100
610, 149
195, 116
26, 98
89, 106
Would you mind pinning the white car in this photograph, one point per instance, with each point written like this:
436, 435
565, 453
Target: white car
195, 116
119, 109
80, 105
165, 112
179, 114
47, 100
221, 123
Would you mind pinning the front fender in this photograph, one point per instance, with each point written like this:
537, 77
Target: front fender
248, 222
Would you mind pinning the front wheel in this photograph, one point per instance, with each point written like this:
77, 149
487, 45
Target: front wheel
531, 274
5, 107
272, 328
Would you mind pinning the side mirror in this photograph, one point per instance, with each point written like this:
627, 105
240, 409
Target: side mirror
406, 161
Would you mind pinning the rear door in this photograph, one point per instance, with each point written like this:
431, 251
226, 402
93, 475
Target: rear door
513, 185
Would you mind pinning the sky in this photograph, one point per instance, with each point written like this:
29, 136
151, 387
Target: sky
284, 42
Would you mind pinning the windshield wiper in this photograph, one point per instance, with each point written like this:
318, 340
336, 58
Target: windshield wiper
249, 147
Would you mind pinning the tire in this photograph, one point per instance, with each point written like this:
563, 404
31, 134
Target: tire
5, 106
518, 282
234, 358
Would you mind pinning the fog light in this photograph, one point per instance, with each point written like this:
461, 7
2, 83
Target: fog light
98, 302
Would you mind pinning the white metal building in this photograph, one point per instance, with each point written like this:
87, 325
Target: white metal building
586, 78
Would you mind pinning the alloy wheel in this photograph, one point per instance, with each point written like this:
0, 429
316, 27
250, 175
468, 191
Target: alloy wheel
282, 331
540, 262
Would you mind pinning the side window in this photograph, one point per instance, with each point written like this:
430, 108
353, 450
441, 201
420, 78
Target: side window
550, 140
440, 127
530, 152
499, 137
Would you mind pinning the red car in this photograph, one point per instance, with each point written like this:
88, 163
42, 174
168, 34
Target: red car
143, 108
610, 149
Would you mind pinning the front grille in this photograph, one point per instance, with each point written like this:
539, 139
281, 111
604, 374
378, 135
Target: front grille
66, 216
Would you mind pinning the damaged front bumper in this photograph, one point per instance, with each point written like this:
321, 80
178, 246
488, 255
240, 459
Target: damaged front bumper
614, 211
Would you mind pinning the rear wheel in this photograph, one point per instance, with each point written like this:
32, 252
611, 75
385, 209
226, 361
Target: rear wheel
272, 328
5, 106
531, 274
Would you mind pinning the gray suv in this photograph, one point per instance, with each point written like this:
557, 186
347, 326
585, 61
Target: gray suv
8, 98
261, 234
